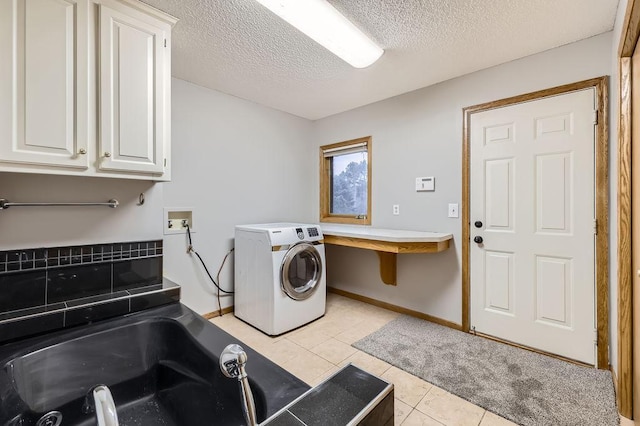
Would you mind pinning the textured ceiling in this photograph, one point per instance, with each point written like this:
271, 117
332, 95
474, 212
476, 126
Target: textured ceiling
240, 48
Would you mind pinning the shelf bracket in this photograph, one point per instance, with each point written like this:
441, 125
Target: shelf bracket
388, 267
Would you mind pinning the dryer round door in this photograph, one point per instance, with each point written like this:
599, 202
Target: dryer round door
301, 271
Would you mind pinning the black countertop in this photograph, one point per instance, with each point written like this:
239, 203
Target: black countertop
344, 398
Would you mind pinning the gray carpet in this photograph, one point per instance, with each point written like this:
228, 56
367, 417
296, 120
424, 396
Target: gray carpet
522, 386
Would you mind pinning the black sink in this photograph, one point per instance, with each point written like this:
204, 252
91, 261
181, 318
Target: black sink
161, 366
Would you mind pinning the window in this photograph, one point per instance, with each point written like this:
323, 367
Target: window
345, 182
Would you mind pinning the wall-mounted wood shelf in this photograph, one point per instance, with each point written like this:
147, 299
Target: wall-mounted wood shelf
387, 243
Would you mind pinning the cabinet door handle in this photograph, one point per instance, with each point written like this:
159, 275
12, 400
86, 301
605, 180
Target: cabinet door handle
82, 151
107, 154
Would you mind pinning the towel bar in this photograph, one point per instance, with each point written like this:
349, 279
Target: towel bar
5, 204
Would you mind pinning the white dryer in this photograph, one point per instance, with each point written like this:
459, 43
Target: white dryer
280, 281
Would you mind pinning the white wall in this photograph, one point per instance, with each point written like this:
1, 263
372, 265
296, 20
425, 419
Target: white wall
26, 227
420, 134
234, 162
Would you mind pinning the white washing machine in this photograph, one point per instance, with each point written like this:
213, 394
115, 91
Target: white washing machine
280, 280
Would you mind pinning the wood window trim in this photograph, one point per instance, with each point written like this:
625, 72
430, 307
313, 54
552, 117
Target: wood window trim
626, 48
325, 186
601, 200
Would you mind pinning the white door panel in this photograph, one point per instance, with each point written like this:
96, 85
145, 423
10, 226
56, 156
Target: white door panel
43, 82
554, 290
132, 93
499, 195
499, 291
532, 187
553, 193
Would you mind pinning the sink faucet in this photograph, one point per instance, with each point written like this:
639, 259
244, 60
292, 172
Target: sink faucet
232, 361
100, 401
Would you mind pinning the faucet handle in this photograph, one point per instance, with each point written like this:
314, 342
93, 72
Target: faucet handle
232, 361
230, 369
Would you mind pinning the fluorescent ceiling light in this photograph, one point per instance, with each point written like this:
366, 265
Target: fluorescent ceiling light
324, 24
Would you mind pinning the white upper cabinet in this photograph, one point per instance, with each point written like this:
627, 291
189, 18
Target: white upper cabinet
132, 55
85, 88
44, 82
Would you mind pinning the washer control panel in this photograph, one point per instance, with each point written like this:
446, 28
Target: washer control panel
311, 232
293, 234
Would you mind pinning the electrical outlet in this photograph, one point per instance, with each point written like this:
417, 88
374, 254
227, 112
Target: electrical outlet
396, 209
453, 210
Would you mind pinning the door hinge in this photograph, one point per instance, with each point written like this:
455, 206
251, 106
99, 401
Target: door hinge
595, 117
165, 42
165, 162
595, 226
595, 336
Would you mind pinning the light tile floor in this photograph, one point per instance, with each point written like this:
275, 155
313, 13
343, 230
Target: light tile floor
317, 350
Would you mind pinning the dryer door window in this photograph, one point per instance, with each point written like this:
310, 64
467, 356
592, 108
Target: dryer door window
301, 271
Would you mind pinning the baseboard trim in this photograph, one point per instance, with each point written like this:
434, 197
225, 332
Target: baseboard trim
394, 308
216, 314
615, 387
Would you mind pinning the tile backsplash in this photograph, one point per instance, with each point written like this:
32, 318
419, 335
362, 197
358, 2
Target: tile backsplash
44, 276
45, 289
41, 258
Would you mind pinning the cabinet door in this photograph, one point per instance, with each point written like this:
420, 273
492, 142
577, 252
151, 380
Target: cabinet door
44, 82
132, 56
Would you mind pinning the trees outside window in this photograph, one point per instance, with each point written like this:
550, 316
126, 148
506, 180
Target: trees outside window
349, 194
345, 184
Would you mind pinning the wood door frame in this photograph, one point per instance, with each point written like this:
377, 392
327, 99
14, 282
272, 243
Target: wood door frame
626, 47
601, 199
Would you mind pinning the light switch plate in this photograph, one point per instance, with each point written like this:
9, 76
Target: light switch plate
425, 184
453, 210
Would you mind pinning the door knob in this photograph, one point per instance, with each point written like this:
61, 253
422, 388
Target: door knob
477, 224
477, 239
82, 151
107, 154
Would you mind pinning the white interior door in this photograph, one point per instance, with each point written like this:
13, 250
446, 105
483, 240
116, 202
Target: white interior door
532, 188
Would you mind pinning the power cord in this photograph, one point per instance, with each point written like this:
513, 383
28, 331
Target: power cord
190, 250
